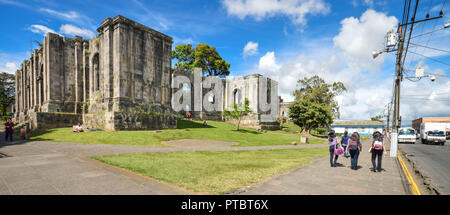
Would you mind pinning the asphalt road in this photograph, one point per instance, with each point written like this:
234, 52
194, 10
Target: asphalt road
432, 161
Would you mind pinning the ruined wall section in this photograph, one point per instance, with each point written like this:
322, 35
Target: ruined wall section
130, 76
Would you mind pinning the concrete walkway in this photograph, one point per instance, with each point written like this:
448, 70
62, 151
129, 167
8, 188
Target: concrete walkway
65, 168
319, 178
40, 167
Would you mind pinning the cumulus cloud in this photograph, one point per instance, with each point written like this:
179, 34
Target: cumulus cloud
267, 63
251, 48
9, 67
73, 30
296, 10
347, 61
40, 29
359, 37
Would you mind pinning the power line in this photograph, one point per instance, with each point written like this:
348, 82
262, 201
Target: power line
431, 58
431, 48
429, 94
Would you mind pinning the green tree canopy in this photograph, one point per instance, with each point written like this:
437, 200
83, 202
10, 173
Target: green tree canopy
377, 118
316, 90
238, 112
314, 104
6, 91
202, 56
310, 115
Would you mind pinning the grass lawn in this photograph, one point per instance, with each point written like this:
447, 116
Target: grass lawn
186, 130
215, 172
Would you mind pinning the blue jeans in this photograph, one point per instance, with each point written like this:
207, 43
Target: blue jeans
331, 156
377, 154
354, 158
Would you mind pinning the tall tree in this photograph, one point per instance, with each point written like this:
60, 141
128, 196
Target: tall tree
6, 91
238, 112
316, 90
202, 56
309, 115
377, 118
315, 104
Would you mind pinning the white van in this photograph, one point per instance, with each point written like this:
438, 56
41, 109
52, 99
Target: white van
407, 135
432, 132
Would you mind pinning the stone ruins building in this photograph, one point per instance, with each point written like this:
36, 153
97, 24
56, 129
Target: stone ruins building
119, 80
235, 90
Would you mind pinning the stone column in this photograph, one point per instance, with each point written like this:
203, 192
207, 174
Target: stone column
78, 76
85, 70
26, 85
34, 79
17, 91
21, 97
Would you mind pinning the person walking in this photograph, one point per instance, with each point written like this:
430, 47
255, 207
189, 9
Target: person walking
377, 149
354, 147
344, 141
333, 141
9, 130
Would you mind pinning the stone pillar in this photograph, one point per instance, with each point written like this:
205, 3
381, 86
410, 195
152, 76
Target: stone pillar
27, 86
85, 69
78, 75
21, 88
118, 62
34, 80
16, 94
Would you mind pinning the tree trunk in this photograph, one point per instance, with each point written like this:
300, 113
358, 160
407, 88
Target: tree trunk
239, 122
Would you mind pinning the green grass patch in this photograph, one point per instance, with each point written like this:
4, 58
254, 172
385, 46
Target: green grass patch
186, 130
215, 172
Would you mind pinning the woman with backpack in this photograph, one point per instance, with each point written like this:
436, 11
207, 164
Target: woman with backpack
377, 149
334, 141
354, 146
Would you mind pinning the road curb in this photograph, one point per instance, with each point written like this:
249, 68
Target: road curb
415, 190
426, 180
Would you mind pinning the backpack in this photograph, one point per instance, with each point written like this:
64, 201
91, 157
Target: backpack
353, 145
377, 145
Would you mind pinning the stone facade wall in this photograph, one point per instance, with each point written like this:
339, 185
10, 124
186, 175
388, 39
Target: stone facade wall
234, 91
125, 69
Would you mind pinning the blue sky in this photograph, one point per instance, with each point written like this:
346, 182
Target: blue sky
286, 40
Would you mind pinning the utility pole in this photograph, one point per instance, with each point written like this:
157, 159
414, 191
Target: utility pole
388, 116
401, 32
398, 80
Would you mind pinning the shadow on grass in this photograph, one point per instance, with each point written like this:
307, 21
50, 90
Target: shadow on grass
18, 140
181, 124
247, 131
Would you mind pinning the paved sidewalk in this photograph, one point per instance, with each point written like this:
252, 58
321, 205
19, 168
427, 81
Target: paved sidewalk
64, 168
40, 167
319, 178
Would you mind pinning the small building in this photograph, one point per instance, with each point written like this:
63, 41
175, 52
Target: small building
363, 127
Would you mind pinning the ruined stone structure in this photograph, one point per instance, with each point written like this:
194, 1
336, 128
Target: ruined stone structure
234, 91
118, 80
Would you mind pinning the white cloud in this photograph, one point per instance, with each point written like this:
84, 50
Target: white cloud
347, 60
70, 15
250, 49
359, 37
260, 9
73, 30
40, 29
268, 64
9, 67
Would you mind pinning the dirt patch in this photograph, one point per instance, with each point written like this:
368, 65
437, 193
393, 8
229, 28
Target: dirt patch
198, 143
